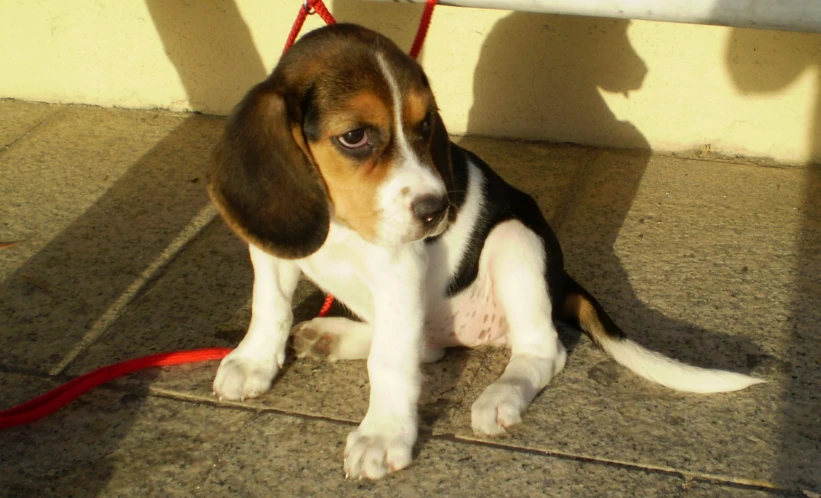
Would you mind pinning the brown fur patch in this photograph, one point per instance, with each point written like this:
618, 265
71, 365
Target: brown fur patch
364, 108
353, 184
578, 306
353, 187
581, 307
416, 106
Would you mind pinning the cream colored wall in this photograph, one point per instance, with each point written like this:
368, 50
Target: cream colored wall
585, 80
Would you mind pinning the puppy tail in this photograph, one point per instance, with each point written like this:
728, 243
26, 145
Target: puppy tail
582, 307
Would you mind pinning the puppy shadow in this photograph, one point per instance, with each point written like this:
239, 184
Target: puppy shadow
763, 62
588, 234
543, 77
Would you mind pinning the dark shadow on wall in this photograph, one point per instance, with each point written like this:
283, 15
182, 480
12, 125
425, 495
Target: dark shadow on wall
541, 75
766, 62
211, 48
81, 272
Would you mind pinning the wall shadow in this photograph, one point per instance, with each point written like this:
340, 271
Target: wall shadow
545, 73
539, 76
211, 48
71, 281
762, 62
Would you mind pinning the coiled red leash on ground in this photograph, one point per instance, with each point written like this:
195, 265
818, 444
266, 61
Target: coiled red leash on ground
55, 399
62, 395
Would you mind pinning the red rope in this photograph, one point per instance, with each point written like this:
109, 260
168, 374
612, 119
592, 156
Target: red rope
60, 396
55, 399
309, 7
323, 11
326, 306
422, 32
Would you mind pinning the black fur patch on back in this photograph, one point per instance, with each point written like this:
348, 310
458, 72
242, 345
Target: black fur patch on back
503, 202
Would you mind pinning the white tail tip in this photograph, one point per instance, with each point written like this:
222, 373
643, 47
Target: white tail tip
674, 374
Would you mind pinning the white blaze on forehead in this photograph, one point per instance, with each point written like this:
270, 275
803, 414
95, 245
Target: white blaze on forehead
402, 145
420, 178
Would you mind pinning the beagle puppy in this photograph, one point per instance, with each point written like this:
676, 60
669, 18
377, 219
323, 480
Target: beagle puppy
339, 166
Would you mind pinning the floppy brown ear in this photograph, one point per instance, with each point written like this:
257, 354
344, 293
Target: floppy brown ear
263, 181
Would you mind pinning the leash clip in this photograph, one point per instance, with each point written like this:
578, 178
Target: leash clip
308, 9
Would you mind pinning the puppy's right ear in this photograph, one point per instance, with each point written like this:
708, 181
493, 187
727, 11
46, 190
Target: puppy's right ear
263, 180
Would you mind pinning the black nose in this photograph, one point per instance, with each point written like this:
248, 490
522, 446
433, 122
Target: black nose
430, 208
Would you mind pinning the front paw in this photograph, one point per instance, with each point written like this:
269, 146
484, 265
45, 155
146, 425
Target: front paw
373, 450
498, 408
243, 376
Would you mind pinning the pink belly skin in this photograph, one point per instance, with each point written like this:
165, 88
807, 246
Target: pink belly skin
472, 318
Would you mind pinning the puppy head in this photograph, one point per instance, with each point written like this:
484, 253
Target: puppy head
345, 129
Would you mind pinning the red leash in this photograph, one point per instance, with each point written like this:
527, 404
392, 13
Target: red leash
55, 399
62, 395
422, 32
308, 7
318, 7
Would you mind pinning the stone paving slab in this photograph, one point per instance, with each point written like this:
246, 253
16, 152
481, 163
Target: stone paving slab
702, 489
715, 264
203, 300
594, 411
18, 118
125, 442
96, 195
304, 458
112, 443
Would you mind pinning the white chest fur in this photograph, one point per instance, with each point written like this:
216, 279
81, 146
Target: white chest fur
354, 270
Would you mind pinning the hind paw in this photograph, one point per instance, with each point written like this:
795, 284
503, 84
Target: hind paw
312, 342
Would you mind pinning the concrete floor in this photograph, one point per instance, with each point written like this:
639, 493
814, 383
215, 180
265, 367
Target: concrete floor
715, 262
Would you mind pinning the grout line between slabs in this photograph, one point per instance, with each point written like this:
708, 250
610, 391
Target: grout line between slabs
118, 307
565, 208
48, 118
660, 469
736, 482
725, 480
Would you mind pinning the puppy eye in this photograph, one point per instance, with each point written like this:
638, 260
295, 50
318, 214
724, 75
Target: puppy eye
426, 125
354, 139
